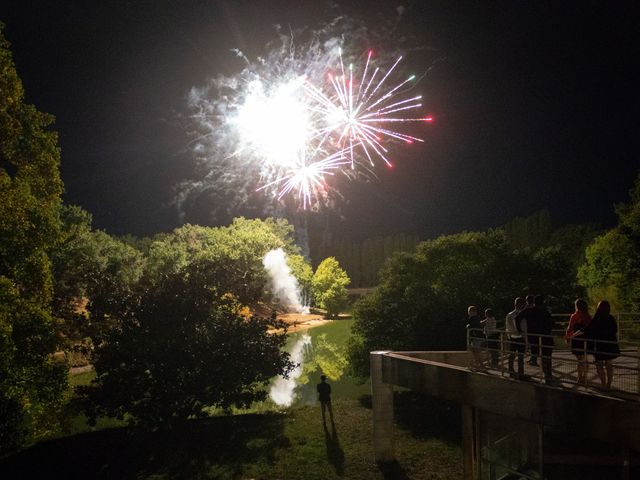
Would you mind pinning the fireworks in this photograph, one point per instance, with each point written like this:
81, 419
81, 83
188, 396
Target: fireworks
307, 178
355, 114
298, 116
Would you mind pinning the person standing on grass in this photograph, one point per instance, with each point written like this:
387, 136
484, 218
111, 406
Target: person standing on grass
516, 339
576, 334
603, 331
324, 395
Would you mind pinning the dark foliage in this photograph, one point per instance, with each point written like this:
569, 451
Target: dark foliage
190, 450
180, 348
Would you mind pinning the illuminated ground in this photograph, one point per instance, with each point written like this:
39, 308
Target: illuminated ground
301, 321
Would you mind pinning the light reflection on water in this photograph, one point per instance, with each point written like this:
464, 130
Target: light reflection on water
321, 350
282, 390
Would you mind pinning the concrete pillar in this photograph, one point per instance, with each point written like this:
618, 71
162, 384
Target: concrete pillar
382, 401
468, 444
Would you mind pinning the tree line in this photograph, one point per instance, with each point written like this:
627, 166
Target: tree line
362, 260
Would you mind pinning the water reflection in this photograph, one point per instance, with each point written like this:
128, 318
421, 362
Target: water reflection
315, 353
325, 357
282, 389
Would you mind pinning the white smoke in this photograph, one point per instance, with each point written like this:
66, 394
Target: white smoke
283, 283
282, 389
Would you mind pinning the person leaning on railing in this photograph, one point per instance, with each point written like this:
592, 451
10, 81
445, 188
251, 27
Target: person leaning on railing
603, 332
576, 333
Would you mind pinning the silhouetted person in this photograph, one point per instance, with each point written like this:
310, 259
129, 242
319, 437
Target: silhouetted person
516, 338
603, 330
539, 324
324, 395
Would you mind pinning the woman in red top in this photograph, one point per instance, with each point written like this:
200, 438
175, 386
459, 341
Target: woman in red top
578, 323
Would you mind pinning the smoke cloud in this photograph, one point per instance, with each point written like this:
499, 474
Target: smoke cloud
284, 285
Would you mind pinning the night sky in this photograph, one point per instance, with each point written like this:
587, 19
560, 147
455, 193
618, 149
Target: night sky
536, 105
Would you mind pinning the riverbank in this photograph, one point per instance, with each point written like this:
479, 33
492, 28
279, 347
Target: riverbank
299, 322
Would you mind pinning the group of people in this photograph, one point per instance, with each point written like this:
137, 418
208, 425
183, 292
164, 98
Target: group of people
529, 325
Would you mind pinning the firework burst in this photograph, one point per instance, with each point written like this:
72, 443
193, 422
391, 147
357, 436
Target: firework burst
297, 117
354, 115
307, 178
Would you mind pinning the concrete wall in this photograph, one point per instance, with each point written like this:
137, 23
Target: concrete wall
443, 375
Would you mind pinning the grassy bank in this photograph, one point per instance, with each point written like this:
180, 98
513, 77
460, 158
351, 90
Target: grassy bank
291, 445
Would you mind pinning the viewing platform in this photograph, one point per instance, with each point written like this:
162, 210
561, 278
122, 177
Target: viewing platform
522, 428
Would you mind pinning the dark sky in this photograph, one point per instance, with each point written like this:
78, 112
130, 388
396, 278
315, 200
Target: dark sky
536, 104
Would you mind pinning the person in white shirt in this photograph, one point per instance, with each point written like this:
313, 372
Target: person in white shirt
516, 338
492, 335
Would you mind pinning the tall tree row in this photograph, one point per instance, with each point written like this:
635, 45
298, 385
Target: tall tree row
363, 260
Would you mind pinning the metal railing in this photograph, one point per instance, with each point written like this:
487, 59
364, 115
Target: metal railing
557, 362
628, 324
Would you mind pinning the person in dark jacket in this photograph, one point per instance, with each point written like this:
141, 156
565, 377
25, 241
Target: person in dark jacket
324, 395
539, 324
603, 333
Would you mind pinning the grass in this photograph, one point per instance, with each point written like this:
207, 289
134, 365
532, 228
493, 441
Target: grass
291, 445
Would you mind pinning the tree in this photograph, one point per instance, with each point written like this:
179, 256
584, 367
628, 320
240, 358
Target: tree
31, 383
303, 272
612, 260
94, 273
330, 286
230, 257
170, 358
421, 300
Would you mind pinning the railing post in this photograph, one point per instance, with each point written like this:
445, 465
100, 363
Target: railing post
638, 371
585, 362
620, 335
502, 343
540, 359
